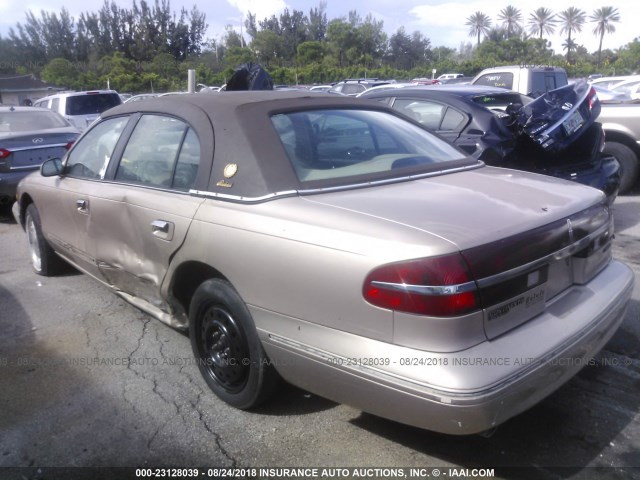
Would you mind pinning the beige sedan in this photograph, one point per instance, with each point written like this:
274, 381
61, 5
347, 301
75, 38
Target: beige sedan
338, 245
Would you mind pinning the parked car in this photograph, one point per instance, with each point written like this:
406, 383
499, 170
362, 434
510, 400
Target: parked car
529, 80
28, 137
610, 96
630, 88
141, 96
475, 119
81, 108
610, 82
449, 76
352, 87
621, 125
339, 245
320, 88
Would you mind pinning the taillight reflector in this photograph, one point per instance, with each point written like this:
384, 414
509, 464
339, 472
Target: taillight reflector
440, 287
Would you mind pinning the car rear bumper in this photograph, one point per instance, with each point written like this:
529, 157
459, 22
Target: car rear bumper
464, 392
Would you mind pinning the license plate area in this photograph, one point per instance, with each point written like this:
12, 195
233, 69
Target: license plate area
573, 123
528, 302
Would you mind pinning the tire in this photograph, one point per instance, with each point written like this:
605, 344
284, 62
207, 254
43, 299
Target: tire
226, 344
44, 260
628, 161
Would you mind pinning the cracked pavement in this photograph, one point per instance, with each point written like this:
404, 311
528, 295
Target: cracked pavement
89, 380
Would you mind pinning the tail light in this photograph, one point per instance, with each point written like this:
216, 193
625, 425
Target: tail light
4, 153
69, 145
592, 97
439, 286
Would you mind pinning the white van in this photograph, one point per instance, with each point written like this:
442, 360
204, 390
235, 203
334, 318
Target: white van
81, 108
448, 76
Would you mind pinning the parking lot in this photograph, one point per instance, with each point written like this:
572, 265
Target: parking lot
88, 380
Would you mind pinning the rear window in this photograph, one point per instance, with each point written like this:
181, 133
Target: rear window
542, 82
91, 103
502, 80
29, 121
337, 144
501, 100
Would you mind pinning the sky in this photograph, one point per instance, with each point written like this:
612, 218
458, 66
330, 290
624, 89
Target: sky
443, 22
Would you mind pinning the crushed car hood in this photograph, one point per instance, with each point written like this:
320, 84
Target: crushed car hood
471, 208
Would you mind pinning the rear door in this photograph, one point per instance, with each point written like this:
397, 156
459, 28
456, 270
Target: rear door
145, 217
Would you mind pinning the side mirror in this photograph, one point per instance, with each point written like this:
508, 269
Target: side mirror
51, 167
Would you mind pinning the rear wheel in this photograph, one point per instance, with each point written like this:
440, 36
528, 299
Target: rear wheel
226, 344
628, 164
44, 260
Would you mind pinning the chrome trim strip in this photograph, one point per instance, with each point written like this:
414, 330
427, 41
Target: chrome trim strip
226, 196
559, 255
288, 193
27, 167
427, 289
22, 149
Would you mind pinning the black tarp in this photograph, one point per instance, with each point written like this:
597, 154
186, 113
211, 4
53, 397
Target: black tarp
250, 76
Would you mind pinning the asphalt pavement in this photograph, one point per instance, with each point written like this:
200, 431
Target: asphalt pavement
87, 380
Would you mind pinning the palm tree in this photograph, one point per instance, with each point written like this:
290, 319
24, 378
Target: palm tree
511, 18
604, 18
478, 24
572, 20
542, 21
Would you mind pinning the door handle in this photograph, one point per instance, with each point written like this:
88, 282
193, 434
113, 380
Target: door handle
82, 205
162, 229
160, 226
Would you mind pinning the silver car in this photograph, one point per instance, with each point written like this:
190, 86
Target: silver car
28, 137
335, 244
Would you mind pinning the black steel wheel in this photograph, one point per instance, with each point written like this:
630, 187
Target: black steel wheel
226, 345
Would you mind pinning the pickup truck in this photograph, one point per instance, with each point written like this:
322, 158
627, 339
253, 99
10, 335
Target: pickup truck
529, 80
621, 125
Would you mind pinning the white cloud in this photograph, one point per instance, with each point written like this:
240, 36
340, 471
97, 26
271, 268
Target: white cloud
260, 8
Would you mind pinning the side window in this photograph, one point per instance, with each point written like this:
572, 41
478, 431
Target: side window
90, 156
160, 147
427, 113
188, 161
452, 120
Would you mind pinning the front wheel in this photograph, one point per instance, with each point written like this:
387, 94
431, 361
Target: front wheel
44, 260
628, 161
226, 344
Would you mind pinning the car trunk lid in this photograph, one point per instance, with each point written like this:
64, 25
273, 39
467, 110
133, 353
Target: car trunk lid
521, 251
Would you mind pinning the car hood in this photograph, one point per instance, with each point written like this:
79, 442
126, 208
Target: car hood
471, 208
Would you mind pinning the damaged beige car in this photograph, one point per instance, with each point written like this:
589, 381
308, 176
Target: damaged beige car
340, 246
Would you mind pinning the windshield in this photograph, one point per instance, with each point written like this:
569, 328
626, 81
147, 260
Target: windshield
30, 121
91, 103
336, 144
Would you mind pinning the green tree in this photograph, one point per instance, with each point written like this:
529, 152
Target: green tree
542, 22
511, 17
572, 20
60, 72
318, 22
604, 18
479, 24
310, 52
